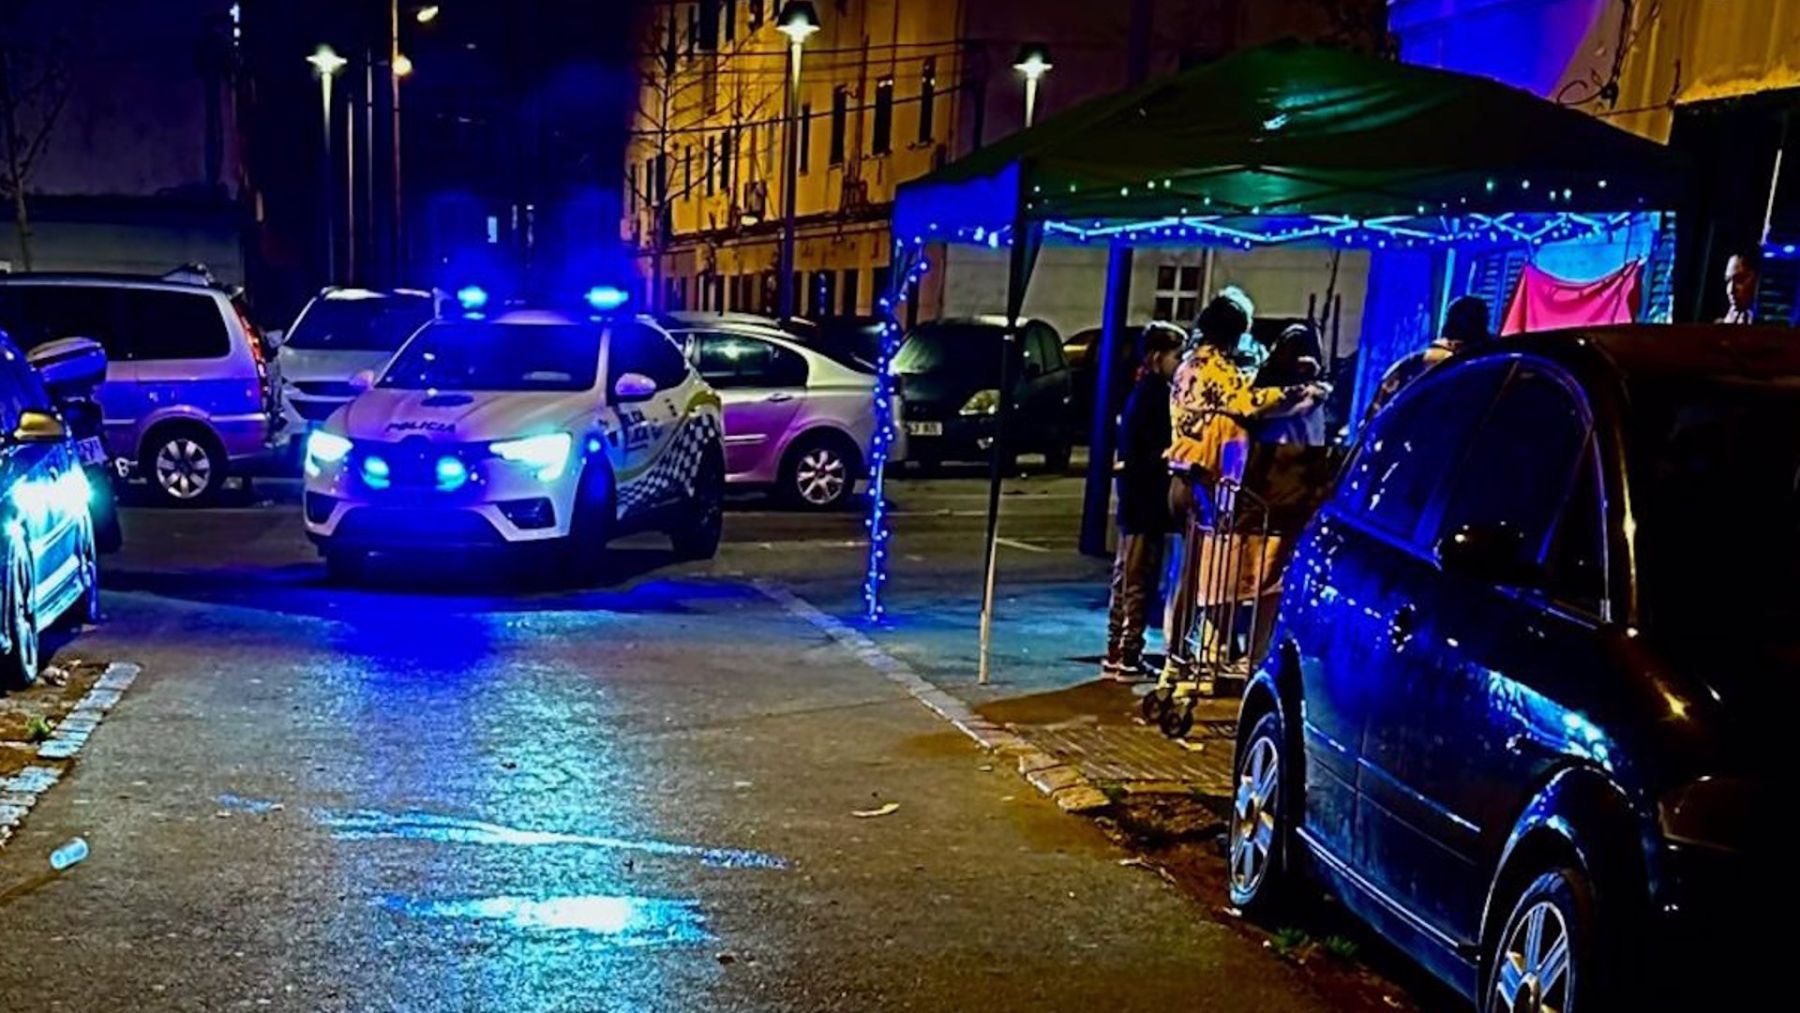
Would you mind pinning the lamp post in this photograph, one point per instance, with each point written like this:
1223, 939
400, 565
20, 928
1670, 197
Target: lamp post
328, 64
798, 21
1033, 63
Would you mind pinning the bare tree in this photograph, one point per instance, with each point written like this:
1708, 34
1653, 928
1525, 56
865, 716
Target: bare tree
34, 88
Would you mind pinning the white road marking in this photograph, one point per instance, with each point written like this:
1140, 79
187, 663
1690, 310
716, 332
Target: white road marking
1014, 543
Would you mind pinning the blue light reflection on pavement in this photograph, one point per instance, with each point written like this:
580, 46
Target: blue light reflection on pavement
624, 921
366, 825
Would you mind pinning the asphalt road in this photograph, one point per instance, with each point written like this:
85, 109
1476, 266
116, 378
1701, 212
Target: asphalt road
438, 794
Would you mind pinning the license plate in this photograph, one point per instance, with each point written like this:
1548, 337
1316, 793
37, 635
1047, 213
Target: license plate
90, 450
924, 429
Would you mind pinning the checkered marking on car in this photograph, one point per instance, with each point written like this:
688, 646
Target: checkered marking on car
675, 468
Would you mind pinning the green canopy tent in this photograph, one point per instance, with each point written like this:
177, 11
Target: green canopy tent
1286, 143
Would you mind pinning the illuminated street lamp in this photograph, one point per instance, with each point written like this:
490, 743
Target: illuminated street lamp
1033, 63
328, 64
426, 14
403, 65
798, 21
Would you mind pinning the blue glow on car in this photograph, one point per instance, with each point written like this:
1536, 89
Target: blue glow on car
375, 472
607, 297
40, 501
452, 474
547, 456
324, 448
472, 297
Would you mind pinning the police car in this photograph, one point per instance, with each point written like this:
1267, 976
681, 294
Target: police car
520, 429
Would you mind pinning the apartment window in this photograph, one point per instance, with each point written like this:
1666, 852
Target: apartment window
662, 178
712, 160
725, 163
840, 116
824, 294
730, 20
805, 136
693, 32
883, 140
687, 170
928, 101
1177, 293
709, 25
631, 188
756, 14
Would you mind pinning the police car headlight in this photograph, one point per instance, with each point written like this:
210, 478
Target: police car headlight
324, 448
547, 456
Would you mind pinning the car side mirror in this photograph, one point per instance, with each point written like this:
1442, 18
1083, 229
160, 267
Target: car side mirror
1492, 553
39, 427
362, 380
633, 387
276, 338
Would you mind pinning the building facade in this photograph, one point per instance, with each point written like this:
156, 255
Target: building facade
890, 90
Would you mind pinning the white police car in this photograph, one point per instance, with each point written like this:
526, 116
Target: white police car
520, 429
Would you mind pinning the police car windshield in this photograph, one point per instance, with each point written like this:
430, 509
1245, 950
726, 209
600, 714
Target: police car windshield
470, 355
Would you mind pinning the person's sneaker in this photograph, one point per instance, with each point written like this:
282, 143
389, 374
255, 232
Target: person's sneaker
1131, 671
1113, 671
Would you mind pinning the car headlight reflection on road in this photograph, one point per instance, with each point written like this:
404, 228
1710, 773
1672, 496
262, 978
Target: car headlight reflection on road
547, 456
324, 448
982, 402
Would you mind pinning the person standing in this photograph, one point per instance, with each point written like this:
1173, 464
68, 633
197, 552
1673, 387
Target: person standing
1465, 327
1742, 272
1143, 513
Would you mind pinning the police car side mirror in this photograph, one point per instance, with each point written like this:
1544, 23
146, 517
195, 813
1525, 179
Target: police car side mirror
633, 387
362, 380
39, 427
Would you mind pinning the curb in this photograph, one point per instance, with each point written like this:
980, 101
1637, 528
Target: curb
21, 791
1062, 783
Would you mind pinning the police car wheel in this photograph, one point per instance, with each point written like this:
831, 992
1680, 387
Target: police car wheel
344, 566
697, 537
589, 528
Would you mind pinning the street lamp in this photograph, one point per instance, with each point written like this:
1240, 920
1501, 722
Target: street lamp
798, 21
1033, 63
426, 14
402, 65
328, 64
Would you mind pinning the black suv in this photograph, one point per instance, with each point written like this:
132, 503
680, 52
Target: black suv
949, 372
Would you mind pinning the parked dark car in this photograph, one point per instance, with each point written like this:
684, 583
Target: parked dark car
1082, 349
1532, 671
949, 372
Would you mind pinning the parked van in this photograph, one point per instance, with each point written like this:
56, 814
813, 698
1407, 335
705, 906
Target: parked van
186, 397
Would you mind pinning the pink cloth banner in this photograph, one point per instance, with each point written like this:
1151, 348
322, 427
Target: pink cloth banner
1544, 302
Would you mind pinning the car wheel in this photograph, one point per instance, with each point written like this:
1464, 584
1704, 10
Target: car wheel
590, 526
19, 666
819, 474
1256, 843
86, 610
185, 466
345, 566
1544, 957
1056, 459
698, 536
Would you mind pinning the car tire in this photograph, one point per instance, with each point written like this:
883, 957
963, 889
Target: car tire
18, 610
1550, 952
820, 472
590, 526
703, 522
1257, 834
85, 611
185, 466
1056, 459
345, 566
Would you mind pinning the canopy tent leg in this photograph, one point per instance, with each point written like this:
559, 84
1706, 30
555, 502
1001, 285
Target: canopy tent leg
1096, 497
907, 263
1027, 239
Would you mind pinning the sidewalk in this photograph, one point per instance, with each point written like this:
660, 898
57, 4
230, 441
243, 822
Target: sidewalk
1081, 731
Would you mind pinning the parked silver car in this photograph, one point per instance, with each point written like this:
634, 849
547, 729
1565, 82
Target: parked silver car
797, 420
340, 333
186, 397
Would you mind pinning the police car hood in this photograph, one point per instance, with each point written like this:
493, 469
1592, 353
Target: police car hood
460, 416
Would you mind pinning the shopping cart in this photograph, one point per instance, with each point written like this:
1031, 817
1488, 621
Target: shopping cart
1222, 603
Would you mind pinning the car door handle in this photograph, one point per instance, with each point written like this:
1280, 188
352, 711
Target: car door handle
778, 397
1401, 627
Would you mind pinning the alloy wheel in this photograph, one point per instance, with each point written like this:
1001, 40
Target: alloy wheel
821, 476
183, 468
22, 615
1533, 975
1253, 816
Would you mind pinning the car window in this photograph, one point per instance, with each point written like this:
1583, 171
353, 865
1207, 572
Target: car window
734, 360
1577, 562
373, 322
472, 355
1413, 444
34, 314
1522, 461
646, 350
1053, 353
173, 325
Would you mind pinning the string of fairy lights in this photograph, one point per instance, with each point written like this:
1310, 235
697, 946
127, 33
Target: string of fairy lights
886, 426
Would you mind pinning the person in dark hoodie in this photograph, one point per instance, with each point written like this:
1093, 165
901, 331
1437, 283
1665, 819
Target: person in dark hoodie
1143, 510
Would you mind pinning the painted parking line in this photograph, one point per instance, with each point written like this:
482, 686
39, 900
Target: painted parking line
1014, 543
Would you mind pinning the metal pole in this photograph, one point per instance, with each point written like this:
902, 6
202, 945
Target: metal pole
1018, 265
1097, 492
784, 283
1031, 85
351, 197
329, 198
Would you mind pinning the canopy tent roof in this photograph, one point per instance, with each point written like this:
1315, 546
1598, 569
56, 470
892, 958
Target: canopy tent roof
1304, 133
